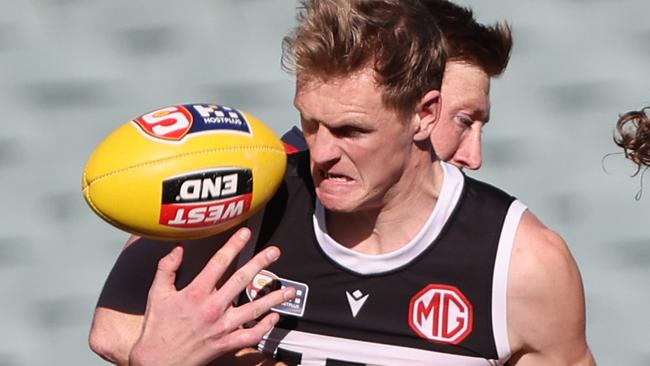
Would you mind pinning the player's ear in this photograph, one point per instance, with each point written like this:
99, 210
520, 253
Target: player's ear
428, 112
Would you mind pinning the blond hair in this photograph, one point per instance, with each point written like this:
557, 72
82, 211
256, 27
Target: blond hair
398, 39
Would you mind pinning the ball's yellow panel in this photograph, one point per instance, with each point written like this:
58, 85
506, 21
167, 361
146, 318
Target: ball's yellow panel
184, 172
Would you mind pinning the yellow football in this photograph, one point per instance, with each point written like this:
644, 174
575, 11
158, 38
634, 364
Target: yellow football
184, 171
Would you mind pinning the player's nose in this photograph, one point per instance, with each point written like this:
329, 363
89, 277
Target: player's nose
323, 147
470, 154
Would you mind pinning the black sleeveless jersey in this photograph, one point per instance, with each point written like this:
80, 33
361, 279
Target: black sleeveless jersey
440, 300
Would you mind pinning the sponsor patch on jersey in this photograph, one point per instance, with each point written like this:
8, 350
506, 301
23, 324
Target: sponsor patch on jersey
177, 122
266, 281
206, 198
441, 313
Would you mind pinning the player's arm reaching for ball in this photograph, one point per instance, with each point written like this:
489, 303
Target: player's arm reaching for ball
119, 314
196, 324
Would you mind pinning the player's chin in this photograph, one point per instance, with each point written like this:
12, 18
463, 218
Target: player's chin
333, 202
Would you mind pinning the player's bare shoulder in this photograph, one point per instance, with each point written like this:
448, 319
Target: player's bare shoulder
540, 256
546, 306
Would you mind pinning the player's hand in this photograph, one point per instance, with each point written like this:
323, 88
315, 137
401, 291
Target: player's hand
198, 323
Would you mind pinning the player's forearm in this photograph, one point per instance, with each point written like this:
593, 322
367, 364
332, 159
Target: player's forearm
113, 334
559, 357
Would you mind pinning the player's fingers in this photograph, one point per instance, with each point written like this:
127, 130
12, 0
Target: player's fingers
163, 281
218, 264
244, 275
255, 309
246, 337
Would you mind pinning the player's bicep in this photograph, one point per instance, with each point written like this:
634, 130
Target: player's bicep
546, 306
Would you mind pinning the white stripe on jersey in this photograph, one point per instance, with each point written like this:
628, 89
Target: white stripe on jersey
452, 187
500, 279
316, 349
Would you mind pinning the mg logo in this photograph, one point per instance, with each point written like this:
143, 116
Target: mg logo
441, 313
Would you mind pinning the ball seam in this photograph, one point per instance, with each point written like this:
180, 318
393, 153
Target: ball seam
181, 156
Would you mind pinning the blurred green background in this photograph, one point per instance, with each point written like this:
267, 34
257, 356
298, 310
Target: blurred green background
71, 71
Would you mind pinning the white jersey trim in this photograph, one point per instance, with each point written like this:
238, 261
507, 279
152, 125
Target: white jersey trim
452, 187
316, 349
500, 280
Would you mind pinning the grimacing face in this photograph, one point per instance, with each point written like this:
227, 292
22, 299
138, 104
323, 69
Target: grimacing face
456, 137
360, 150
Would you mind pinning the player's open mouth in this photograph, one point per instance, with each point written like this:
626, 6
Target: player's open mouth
335, 177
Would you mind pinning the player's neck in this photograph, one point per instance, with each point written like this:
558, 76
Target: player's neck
397, 222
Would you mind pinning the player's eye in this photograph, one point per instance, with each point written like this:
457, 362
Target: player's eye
349, 131
465, 120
